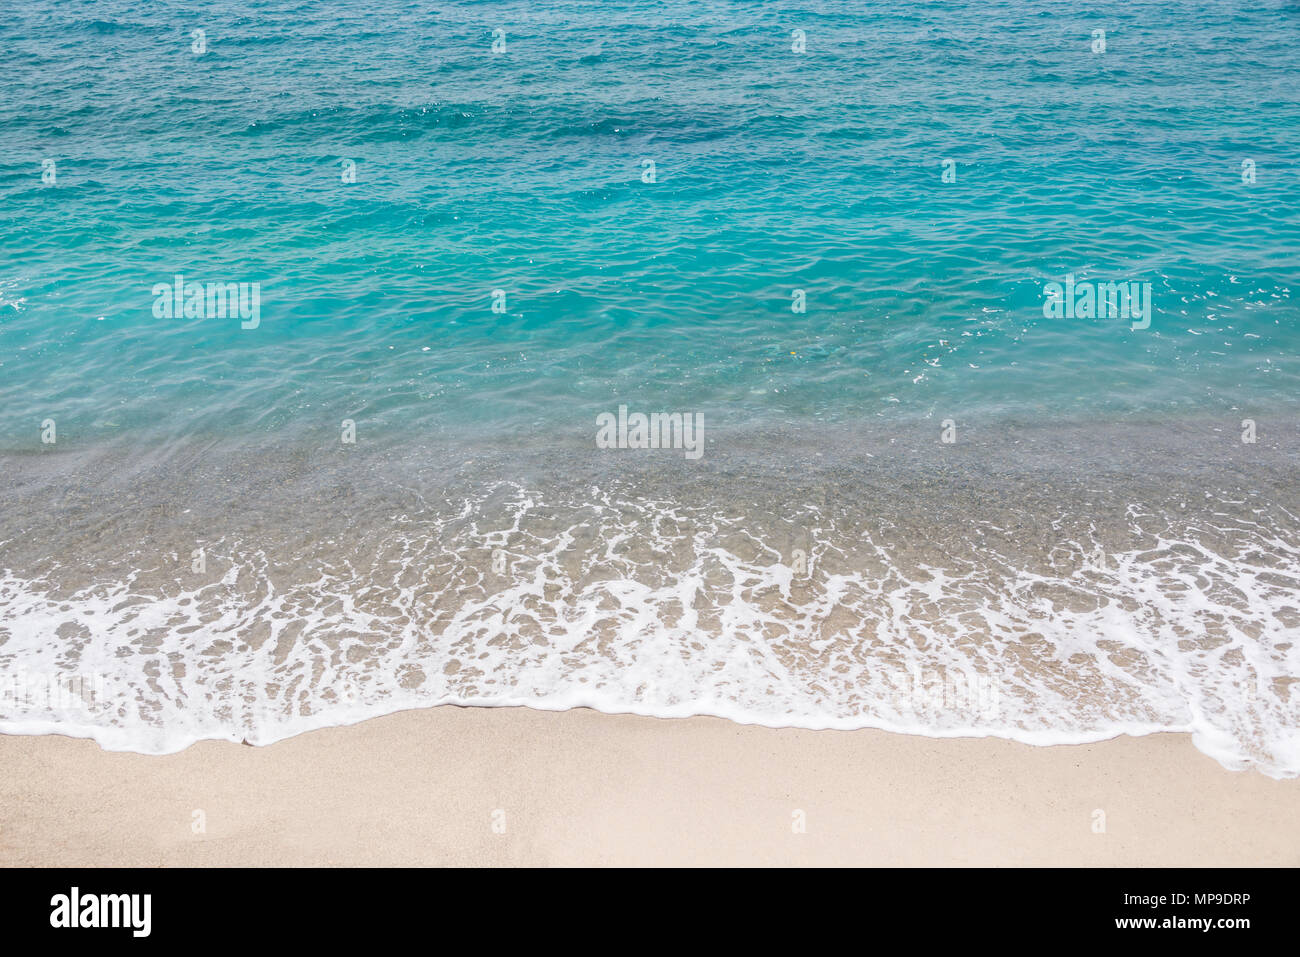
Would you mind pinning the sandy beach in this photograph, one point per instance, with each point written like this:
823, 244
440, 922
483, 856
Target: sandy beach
514, 786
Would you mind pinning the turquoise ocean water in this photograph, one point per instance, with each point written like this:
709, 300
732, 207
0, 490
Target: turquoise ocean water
500, 153
522, 172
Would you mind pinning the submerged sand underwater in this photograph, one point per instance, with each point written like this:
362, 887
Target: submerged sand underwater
1049, 584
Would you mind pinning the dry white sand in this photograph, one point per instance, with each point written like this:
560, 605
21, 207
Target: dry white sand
578, 787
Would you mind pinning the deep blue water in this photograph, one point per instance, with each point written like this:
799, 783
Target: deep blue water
522, 171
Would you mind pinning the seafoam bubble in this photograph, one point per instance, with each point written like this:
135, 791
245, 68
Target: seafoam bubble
824, 614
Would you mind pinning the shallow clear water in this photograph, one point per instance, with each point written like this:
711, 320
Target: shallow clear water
522, 172
645, 580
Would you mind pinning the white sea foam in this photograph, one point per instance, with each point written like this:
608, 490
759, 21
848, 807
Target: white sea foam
624, 604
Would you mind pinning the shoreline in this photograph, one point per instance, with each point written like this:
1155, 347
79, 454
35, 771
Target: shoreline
1046, 586
581, 787
1016, 588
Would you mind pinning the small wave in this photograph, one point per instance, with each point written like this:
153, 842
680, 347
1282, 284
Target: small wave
932, 611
